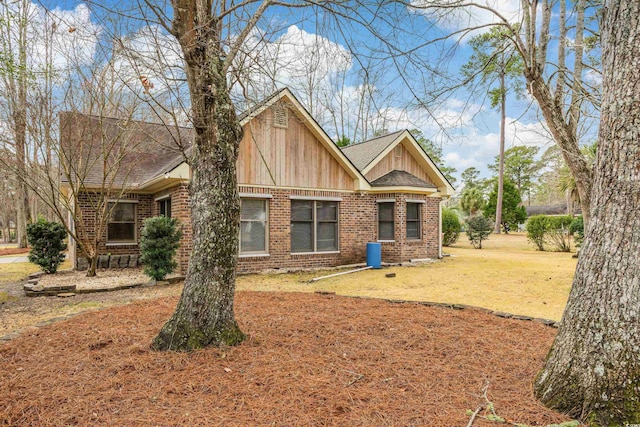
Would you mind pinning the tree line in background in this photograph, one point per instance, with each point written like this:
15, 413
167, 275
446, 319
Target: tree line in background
528, 181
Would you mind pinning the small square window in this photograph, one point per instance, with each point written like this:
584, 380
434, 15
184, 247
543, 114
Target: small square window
121, 227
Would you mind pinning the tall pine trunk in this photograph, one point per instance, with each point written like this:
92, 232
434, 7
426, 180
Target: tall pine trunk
593, 369
503, 119
204, 315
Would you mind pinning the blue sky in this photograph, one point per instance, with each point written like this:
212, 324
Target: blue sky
462, 123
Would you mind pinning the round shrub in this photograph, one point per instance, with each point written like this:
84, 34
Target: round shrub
450, 227
158, 245
537, 228
47, 244
478, 229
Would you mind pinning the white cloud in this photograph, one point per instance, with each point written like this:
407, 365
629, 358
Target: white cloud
306, 63
148, 59
62, 38
479, 149
468, 15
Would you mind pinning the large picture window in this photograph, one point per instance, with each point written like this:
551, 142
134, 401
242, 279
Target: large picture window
414, 217
386, 223
121, 227
253, 226
314, 226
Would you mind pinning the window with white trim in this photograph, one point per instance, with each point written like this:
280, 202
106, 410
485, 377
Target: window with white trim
254, 226
386, 224
414, 221
121, 227
314, 226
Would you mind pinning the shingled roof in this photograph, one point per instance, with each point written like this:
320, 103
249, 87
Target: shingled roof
397, 178
137, 151
362, 154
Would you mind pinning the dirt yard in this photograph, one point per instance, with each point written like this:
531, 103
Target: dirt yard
309, 360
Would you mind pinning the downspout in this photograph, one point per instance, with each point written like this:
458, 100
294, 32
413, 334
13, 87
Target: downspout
440, 228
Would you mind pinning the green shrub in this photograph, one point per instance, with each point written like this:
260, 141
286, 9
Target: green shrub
478, 229
158, 245
450, 227
47, 244
576, 228
558, 235
537, 229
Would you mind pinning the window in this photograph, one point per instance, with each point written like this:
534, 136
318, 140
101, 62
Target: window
253, 226
122, 223
385, 221
164, 207
414, 229
314, 226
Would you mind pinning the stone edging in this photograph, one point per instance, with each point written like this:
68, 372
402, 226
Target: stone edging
546, 322
33, 289
17, 333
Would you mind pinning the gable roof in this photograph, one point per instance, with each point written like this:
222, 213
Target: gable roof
149, 150
397, 178
363, 153
285, 95
367, 154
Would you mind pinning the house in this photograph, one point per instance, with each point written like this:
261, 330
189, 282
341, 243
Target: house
305, 202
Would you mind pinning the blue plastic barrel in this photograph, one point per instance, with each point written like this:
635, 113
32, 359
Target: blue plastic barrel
374, 255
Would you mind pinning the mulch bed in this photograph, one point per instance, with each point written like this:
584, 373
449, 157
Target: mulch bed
14, 251
309, 360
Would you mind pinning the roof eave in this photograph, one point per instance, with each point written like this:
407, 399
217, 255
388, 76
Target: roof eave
404, 189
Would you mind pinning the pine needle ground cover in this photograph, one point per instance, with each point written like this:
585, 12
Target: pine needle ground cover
508, 275
309, 360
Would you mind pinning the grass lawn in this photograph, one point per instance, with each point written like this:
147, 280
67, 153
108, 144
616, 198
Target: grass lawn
506, 275
18, 271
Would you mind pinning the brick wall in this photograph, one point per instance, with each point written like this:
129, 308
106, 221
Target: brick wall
357, 226
89, 219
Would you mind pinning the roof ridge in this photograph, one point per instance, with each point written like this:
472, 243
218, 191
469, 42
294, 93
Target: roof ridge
146, 122
163, 124
374, 138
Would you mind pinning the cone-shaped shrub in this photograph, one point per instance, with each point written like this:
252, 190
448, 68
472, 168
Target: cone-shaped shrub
158, 245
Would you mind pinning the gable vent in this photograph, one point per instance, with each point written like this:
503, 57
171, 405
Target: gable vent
280, 116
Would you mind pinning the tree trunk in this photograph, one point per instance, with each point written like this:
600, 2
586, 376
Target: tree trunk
503, 118
204, 315
593, 369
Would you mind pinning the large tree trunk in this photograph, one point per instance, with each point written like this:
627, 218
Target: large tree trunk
593, 369
205, 314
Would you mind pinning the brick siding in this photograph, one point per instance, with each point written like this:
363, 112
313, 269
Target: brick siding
357, 226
